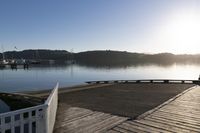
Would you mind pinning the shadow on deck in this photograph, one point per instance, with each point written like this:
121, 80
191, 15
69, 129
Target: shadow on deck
113, 108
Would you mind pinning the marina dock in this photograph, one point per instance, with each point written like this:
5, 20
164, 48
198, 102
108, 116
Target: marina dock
179, 113
122, 107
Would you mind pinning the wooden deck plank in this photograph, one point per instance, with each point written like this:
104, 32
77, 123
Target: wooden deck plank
187, 103
192, 95
175, 117
135, 127
92, 121
197, 107
147, 128
76, 120
86, 121
73, 115
182, 124
180, 114
164, 126
113, 131
125, 130
69, 110
103, 125
182, 111
110, 124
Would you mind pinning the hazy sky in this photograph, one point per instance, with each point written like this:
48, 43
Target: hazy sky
150, 26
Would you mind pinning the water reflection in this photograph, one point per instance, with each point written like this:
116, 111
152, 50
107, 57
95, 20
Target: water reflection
4, 107
45, 77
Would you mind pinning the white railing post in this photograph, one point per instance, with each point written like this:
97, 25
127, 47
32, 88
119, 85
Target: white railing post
40, 119
52, 103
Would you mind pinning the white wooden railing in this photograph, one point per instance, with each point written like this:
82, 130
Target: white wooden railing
52, 103
37, 119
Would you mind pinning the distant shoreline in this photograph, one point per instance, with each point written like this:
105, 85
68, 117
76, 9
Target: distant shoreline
101, 58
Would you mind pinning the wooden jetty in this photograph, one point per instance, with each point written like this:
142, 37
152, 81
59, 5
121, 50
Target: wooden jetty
79, 120
15, 65
178, 114
144, 106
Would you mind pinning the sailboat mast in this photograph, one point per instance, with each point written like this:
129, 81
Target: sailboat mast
3, 52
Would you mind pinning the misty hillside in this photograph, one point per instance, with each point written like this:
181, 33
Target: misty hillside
106, 57
127, 58
37, 54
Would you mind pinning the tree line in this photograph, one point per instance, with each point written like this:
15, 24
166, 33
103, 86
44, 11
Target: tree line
103, 58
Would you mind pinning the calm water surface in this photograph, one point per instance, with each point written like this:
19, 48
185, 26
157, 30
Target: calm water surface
45, 77
4, 107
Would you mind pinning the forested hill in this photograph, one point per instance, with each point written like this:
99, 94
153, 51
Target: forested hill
108, 57
38, 54
102, 57
126, 58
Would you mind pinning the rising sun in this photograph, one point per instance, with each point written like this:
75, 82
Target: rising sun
182, 33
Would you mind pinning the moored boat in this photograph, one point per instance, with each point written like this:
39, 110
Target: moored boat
3, 63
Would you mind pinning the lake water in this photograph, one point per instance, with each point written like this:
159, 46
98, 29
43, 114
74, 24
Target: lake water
45, 77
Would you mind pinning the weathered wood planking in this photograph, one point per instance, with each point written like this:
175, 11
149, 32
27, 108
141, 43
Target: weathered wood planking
180, 114
80, 120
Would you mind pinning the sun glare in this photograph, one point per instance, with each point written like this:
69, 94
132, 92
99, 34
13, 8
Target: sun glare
181, 33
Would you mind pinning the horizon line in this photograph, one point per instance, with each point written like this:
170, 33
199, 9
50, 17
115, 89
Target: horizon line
148, 53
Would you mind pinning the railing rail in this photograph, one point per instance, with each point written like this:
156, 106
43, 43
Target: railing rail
146, 81
37, 119
52, 103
